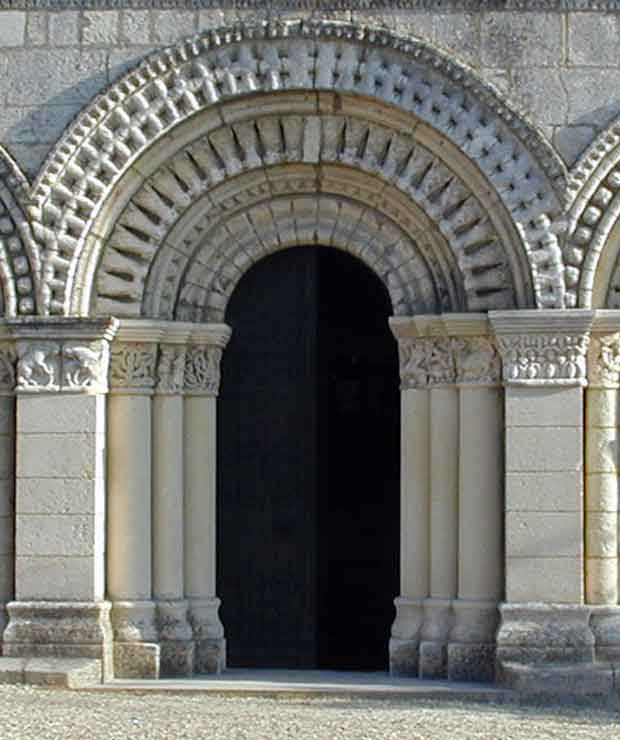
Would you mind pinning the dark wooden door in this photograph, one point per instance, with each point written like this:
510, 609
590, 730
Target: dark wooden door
308, 460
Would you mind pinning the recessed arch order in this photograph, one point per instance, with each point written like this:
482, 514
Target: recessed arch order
247, 140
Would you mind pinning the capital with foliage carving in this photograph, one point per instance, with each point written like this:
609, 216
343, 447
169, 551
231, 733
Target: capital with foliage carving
171, 369
132, 366
202, 370
426, 361
604, 361
477, 361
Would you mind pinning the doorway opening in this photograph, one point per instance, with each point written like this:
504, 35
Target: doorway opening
308, 466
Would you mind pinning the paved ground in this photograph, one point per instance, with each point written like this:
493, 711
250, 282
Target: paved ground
38, 714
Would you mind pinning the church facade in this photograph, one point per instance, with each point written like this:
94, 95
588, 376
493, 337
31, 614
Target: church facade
414, 455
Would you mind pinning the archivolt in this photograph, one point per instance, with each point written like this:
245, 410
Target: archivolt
171, 87
461, 235
592, 253
19, 263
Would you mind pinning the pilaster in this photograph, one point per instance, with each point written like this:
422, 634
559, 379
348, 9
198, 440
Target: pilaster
544, 372
59, 608
201, 386
7, 478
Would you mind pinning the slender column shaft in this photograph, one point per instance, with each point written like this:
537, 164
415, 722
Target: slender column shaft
129, 498
200, 493
168, 497
7, 505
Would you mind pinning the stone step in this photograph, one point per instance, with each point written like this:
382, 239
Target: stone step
68, 673
561, 679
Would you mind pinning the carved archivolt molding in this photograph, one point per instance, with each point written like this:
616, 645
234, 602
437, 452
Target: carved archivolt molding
524, 175
19, 263
422, 229
544, 359
432, 361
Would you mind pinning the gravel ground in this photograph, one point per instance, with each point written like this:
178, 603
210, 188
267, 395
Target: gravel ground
37, 714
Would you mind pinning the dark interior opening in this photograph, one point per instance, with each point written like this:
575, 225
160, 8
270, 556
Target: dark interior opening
308, 466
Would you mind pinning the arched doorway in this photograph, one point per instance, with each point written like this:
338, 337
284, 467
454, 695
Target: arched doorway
308, 465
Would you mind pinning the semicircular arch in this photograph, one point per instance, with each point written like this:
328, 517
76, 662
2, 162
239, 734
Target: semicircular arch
221, 72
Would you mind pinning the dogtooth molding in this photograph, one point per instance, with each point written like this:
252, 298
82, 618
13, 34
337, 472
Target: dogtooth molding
109, 138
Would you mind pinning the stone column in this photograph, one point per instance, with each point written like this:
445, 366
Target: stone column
443, 519
601, 499
544, 370
471, 650
7, 480
175, 634
59, 609
415, 487
202, 378
132, 379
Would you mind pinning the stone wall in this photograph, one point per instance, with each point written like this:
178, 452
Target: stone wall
562, 66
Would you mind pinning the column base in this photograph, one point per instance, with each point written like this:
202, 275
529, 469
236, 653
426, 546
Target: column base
46, 629
136, 648
535, 633
471, 649
405, 640
434, 638
175, 638
209, 641
605, 626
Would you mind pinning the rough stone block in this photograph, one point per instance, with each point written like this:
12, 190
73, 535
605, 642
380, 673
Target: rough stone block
551, 580
562, 491
544, 407
404, 657
79, 578
210, 655
12, 28
471, 662
433, 659
459, 32
60, 455
63, 76
12, 670
135, 27
589, 101
64, 535
540, 91
172, 25
587, 679
543, 534
100, 28
55, 415
593, 39
543, 449
68, 673
177, 657
64, 28
514, 39
136, 660
59, 496
36, 29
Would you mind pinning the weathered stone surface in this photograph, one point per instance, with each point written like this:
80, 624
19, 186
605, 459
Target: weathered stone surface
433, 660
68, 673
100, 28
210, 656
471, 662
559, 680
136, 660
404, 657
12, 29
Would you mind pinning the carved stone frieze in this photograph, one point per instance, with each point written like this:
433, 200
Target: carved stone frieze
426, 361
202, 369
171, 369
132, 365
544, 359
85, 365
477, 361
604, 361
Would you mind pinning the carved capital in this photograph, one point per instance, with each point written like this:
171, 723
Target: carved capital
132, 366
604, 361
38, 366
202, 369
544, 359
426, 361
85, 366
171, 369
477, 361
